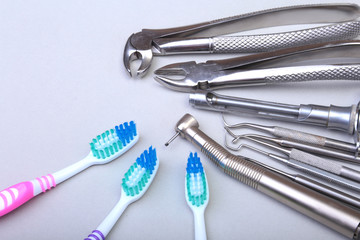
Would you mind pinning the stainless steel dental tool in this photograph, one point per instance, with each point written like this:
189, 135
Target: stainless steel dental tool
309, 159
329, 152
327, 211
305, 181
341, 19
333, 117
324, 61
305, 141
301, 137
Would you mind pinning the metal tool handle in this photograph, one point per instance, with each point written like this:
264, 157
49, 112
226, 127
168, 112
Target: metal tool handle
332, 117
258, 43
321, 174
325, 164
333, 214
345, 156
329, 191
312, 139
314, 73
271, 42
282, 75
315, 185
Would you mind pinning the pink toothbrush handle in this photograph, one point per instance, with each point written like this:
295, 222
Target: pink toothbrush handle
15, 196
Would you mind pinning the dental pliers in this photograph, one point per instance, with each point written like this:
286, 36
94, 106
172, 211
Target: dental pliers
324, 61
342, 22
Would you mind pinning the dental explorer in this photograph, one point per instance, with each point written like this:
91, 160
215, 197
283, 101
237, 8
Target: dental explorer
298, 136
304, 157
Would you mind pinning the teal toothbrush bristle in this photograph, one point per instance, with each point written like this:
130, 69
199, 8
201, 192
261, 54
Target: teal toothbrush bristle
138, 175
195, 181
112, 141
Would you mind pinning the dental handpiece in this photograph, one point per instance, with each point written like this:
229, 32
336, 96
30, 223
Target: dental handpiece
321, 208
332, 117
315, 185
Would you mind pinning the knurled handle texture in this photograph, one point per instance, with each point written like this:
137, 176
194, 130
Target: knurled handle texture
271, 42
339, 72
316, 161
299, 136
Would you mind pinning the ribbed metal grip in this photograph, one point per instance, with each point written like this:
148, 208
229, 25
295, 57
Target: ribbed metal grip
236, 167
271, 42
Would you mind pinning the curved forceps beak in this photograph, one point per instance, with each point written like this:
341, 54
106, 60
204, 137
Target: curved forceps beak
132, 53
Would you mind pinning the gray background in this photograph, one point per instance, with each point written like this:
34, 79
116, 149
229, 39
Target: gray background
63, 82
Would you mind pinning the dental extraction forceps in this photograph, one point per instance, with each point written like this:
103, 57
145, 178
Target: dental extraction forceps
342, 20
324, 61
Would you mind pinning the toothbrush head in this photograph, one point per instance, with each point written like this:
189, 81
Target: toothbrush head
140, 175
114, 142
196, 186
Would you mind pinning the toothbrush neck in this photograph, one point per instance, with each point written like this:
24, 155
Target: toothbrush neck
199, 222
73, 169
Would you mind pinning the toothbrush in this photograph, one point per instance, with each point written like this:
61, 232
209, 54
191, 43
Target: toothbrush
134, 184
103, 149
197, 193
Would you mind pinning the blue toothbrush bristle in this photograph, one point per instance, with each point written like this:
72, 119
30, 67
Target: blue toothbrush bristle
112, 141
196, 186
194, 165
126, 132
138, 175
148, 159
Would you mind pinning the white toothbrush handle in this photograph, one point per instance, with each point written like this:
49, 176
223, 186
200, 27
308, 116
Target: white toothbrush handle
199, 222
108, 223
74, 169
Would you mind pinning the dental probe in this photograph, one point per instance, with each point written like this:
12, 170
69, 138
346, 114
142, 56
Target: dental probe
298, 136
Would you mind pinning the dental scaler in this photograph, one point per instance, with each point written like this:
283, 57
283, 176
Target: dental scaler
321, 208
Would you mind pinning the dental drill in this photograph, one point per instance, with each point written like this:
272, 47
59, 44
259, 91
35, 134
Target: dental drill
321, 208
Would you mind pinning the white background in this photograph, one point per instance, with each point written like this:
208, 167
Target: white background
63, 82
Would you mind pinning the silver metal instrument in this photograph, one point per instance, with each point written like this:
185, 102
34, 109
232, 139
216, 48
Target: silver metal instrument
333, 117
339, 155
309, 159
324, 61
327, 211
312, 143
341, 23
326, 143
305, 181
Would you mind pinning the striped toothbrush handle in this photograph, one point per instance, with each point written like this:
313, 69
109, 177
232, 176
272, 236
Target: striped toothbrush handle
18, 194
96, 234
110, 220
